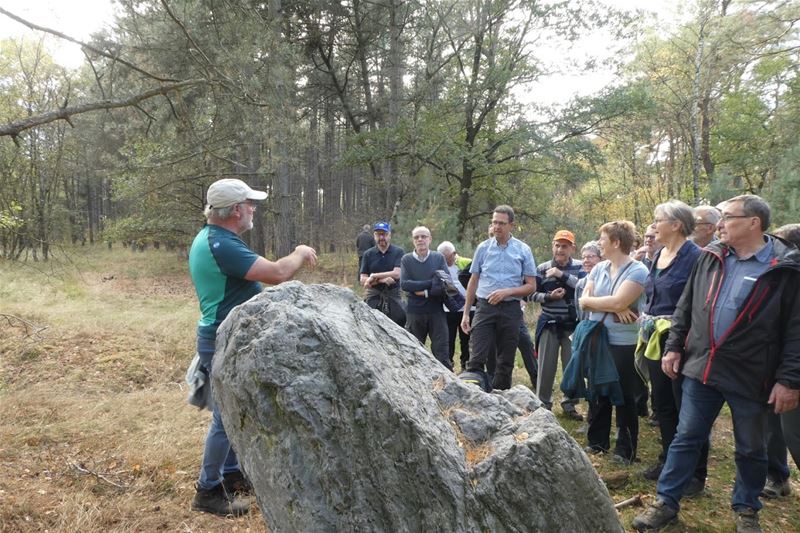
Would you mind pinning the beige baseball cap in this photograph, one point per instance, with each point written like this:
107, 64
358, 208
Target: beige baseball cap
227, 192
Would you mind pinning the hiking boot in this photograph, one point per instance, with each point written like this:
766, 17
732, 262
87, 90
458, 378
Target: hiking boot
694, 488
653, 472
593, 450
217, 501
620, 460
573, 414
658, 515
747, 521
776, 489
236, 483
477, 377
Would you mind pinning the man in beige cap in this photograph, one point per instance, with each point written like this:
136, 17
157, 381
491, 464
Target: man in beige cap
226, 273
555, 290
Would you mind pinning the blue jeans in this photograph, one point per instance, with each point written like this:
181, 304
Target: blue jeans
218, 455
700, 407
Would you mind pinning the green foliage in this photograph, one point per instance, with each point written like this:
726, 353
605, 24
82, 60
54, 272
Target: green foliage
783, 194
405, 111
144, 229
10, 219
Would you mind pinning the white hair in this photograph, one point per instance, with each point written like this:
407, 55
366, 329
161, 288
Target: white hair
446, 247
220, 213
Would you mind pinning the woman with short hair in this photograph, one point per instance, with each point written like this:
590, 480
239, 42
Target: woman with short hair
674, 222
614, 292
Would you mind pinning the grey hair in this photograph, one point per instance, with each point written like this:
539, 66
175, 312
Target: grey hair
708, 213
365, 227
221, 213
505, 210
593, 247
680, 213
446, 247
790, 232
754, 206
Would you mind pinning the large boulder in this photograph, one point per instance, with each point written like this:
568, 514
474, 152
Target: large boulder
343, 422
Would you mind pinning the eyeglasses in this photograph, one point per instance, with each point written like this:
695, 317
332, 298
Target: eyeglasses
416, 237
727, 218
704, 224
248, 202
659, 220
589, 256
649, 237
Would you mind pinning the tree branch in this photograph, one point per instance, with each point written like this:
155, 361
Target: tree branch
15, 128
31, 329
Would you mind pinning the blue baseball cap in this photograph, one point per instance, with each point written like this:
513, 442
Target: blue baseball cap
382, 226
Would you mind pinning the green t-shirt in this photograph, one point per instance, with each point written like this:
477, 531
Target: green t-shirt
218, 262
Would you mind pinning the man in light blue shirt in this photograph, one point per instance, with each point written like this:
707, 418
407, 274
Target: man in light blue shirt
741, 275
503, 272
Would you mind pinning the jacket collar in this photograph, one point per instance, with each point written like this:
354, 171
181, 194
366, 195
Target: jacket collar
783, 253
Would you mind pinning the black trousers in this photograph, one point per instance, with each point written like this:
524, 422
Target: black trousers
600, 411
453, 329
433, 325
667, 406
528, 350
495, 327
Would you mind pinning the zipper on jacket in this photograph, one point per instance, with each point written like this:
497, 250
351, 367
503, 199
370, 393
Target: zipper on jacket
710, 288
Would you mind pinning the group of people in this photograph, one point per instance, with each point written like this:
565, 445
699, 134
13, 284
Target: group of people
498, 278
705, 311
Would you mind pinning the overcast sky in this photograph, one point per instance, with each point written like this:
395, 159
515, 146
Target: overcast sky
80, 18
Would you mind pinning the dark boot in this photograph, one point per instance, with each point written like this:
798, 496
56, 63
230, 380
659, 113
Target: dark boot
217, 501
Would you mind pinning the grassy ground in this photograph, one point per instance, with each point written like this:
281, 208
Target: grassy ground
95, 433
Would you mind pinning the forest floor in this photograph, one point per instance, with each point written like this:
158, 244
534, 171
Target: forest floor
95, 432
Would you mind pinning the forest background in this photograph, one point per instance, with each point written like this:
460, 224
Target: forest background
409, 111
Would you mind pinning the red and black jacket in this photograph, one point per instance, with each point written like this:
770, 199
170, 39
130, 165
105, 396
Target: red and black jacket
762, 345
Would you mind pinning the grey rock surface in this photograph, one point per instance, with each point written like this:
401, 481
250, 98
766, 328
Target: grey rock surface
345, 423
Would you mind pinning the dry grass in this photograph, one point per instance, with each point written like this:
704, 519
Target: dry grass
95, 433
